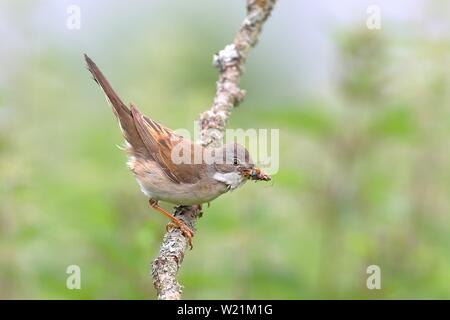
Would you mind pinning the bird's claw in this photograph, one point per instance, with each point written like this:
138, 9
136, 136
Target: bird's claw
185, 231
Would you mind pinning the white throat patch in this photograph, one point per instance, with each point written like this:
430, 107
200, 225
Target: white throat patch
231, 179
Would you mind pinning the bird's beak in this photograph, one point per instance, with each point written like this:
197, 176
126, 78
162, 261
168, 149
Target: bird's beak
256, 174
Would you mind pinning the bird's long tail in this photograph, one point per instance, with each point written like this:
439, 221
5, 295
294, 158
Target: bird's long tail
122, 112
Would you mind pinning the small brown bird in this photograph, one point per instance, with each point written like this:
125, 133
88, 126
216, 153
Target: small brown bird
151, 148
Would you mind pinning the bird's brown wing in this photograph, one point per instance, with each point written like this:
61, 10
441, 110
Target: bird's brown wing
160, 141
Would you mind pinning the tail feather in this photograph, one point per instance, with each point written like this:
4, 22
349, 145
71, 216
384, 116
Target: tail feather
123, 114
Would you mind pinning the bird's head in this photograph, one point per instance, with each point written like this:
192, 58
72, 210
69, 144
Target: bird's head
237, 167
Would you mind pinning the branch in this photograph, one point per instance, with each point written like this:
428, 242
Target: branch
230, 62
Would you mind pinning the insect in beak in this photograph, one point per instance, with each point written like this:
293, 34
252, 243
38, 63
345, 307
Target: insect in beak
255, 174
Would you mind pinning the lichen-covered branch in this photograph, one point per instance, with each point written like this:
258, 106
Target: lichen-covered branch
230, 62
171, 254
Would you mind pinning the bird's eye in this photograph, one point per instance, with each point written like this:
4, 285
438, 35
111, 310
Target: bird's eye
235, 162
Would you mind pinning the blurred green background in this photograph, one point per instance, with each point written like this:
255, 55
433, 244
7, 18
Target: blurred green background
364, 119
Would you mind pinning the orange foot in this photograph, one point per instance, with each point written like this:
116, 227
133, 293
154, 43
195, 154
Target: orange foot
175, 223
185, 230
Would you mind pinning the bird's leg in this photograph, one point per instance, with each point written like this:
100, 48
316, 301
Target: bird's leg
187, 232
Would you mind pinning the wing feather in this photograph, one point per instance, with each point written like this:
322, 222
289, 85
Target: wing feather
160, 141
